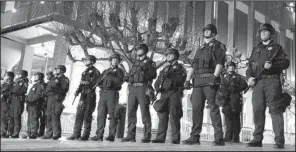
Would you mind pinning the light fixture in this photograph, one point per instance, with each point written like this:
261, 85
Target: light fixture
14, 10
42, 2
292, 4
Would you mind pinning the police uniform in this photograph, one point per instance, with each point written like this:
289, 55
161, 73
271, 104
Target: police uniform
170, 102
87, 102
204, 64
267, 89
56, 91
5, 106
109, 97
18, 92
34, 99
235, 85
141, 74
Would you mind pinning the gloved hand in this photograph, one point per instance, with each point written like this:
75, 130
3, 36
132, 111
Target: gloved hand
187, 84
76, 93
126, 78
251, 81
213, 80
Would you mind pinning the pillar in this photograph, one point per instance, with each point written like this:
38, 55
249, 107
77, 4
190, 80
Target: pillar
209, 12
251, 23
282, 36
26, 60
232, 25
60, 52
3, 5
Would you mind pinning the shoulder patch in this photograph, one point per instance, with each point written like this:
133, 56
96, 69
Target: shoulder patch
223, 47
153, 64
67, 80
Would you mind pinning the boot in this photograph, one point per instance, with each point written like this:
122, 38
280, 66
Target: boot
33, 136
278, 146
128, 139
254, 143
145, 140
218, 143
56, 137
84, 138
96, 138
15, 136
158, 141
72, 137
110, 138
191, 140
46, 137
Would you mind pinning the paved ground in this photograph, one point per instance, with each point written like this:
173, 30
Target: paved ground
64, 145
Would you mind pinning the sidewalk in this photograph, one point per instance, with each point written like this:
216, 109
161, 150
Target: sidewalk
65, 145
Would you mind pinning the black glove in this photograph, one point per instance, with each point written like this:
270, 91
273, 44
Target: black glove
126, 78
76, 93
213, 80
187, 84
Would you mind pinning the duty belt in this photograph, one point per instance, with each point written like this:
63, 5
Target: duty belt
137, 84
203, 75
269, 76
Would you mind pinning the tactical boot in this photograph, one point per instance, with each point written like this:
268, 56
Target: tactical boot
25, 136
73, 137
176, 142
158, 141
128, 139
218, 143
254, 143
96, 138
84, 138
56, 137
191, 140
15, 136
33, 136
278, 146
110, 138
235, 139
4, 135
46, 137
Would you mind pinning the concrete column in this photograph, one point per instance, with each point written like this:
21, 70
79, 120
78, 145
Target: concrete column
232, 25
3, 5
60, 52
282, 34
251, 23
27, 59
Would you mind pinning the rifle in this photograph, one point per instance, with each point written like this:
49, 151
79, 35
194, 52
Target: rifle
103, 77
74, 100
162, 80
258, 76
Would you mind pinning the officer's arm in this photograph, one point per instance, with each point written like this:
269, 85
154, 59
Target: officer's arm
281, 61
96, 78
38, 94
65, 86
243, 84
190, 74
20, 89
158, 80
220, 59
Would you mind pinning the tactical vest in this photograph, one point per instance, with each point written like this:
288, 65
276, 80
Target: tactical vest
204, 61
139, 71
88, 76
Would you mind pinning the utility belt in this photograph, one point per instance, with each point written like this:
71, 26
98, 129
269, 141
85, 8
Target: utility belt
203, 75
265, 76
138, 84
108, 90
15, 95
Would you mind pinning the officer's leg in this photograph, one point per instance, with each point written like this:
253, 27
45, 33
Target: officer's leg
88, 115
228, 123
162, 125
42, 119
57, 129
272, 93
34, 121
102, 114
236, 126
80, 110
4, 117
17, 117
11, 118
29, 120
49, 110
146, 118
198, 103
132, 112
111, 104
176, 114
259, 107
214, 113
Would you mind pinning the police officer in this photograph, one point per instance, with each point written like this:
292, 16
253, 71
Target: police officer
235, 84
34, 100
87, 102
6, 87
18, 92
55, 91
267, 88
169, 83
110, 83
206, 68
141, 75
42, 107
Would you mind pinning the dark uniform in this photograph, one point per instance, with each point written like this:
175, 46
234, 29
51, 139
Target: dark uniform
55, 92
34, 100
5, 104
267, 88
172, 78
109, 97
119, 121
233, 108
204, 64
18, 92
141, 75
87, 103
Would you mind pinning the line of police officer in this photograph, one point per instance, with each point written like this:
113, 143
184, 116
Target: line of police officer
206, 77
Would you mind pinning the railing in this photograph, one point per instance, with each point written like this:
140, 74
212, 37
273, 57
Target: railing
32, 12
